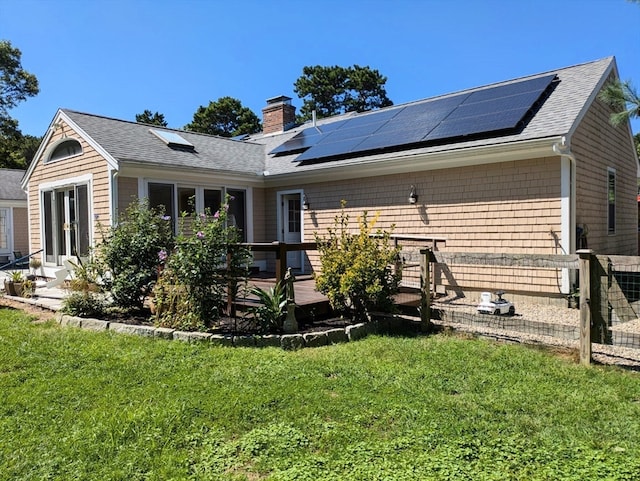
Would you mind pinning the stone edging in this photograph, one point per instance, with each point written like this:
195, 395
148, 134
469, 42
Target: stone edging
383, 323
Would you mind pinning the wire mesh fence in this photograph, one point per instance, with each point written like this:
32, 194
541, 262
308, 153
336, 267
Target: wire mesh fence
532, 285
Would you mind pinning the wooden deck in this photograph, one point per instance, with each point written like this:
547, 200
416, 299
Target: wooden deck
310, 302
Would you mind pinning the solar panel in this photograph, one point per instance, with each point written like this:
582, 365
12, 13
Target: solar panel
498, 108
307, 138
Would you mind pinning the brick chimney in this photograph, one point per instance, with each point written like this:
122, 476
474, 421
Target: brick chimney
279, 115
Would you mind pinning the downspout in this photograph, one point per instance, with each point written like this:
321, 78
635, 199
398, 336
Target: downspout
568, 207
113, 194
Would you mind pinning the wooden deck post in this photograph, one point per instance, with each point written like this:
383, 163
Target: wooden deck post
425, 288
585, 256
281, 260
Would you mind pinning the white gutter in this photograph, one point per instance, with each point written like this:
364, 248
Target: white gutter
567, 206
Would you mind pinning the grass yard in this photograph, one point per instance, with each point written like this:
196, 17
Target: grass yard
80, 405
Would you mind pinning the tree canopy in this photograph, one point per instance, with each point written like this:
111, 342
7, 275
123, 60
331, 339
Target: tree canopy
623, 98
335, 90
147, 117
225, 117
16, 84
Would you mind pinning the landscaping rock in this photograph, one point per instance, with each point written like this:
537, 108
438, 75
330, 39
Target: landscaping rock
315, 339
163, 332
357, 331
132, 329
221, 340
291, 342
70, 321
244, 341
270, 340
335, 336
95, 324
191, 336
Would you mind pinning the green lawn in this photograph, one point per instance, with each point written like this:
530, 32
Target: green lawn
81, 405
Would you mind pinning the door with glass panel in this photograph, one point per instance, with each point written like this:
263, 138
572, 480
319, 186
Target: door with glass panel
66, 224
292, 227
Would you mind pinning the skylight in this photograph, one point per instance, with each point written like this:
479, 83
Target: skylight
173, 140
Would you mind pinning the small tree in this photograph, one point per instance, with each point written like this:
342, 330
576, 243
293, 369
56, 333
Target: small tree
225, 117
130, 252
356, 271
147, 117
206, 260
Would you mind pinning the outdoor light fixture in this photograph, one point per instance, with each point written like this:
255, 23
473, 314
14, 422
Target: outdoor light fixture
413, 198
305, 202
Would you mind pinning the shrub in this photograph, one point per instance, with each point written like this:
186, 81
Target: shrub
355, 268
130, 252
270, 314
84, 304
206, 261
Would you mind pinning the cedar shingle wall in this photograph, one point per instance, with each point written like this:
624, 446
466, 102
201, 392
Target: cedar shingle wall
596, 146
21, 230
127, 192
510, 207
89, 163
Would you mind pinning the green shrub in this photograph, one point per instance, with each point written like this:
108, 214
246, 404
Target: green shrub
356, 272
130, 252
84, 304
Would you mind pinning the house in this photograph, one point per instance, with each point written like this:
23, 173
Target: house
529, 165
14, 231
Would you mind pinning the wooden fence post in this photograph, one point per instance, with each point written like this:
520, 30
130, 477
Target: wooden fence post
585, 256
425, 289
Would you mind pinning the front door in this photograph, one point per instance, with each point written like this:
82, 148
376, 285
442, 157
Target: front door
292, 227
66, 219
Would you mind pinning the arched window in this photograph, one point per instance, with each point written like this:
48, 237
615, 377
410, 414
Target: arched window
66, 148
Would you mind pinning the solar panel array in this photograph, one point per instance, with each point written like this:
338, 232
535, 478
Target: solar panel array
499, 108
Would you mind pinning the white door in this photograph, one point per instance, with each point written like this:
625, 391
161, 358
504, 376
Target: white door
5, 234
292, 227
66, 223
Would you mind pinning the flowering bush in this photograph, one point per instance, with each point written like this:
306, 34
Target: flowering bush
130, 252
204, 263
356, 274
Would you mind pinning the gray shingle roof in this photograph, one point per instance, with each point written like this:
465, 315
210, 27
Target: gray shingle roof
10, 185
133, 142
556, 117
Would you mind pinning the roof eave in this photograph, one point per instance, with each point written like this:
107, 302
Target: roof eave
419, 161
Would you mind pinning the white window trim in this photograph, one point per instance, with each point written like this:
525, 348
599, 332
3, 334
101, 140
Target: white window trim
49, 160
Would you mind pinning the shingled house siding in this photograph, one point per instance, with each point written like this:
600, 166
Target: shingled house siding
89, 163
510, 207
127, 192
596, 146
21, 229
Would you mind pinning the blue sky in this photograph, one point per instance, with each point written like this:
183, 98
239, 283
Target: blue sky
119, 57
